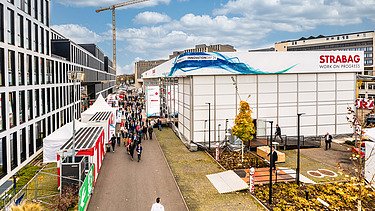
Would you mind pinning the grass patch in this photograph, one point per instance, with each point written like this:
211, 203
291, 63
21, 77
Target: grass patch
190, 170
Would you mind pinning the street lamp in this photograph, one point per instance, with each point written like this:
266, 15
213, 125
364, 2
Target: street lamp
204, 132
218, 133
74, 75
209, 125
271, 157
298, 147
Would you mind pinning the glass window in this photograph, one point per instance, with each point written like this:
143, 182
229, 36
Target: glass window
12, 109
1, 23
40, 134
35, 9
29, 104
36, 99
47, 12
42, 99
31, 140
36, 70
42, 71
2, 112
49, 71
23, 144
36, 38
20, 37
2, 66
22, 112
28, 6
41, 43
48, 100
13, 150
28, 35
47, 42
29, 70
21, 69
3, 157
10, 29
11, 69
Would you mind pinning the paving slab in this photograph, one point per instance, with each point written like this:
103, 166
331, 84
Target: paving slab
124, 184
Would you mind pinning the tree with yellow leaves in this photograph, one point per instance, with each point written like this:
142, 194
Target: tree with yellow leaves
28, 206
244, 127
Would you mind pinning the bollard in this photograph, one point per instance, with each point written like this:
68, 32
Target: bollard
251, 180
217, 152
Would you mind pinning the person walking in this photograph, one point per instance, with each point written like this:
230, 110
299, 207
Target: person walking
113, 142
150, 131
278, 133
139, 151
131, 150
144, 132
159, 124
273, 153
328, 140
157, 206
118, 138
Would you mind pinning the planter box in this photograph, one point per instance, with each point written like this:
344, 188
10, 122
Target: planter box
265, 150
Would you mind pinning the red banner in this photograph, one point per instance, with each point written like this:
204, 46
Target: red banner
364, 103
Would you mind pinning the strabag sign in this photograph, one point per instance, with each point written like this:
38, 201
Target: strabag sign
259, 63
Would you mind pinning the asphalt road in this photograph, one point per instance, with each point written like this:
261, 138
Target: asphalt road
130, 185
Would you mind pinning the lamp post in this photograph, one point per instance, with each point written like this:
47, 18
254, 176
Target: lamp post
74, 75
298, 147
218, 133
271, 157
209, 125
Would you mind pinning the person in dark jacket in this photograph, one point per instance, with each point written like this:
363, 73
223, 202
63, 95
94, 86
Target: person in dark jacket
274, 158
139, 151
150, 131
159, 124
278, 133
113, 142
131, 150
328, 140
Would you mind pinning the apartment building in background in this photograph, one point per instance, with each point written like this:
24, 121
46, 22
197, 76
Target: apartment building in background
142, 66
357, 41
36, 96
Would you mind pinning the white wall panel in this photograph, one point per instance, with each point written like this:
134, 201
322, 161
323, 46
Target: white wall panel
345, 76
203, 99
326, 77
247, 88
288, 87
306, 77
307, 86
308, 120
341, 119
326, 120
344, 129
326, 86
287, 97
308, 110
287, 78
224, 79
267, 88
267, 98
267, 78
287, 111
246, 79
206, 89
345, 85
308, 130
287, 122
345, 95
307, 97
342, 109
225, 89
323, 129
203, 80
222, 114
266, 112
326, 96
201, 114
326, 109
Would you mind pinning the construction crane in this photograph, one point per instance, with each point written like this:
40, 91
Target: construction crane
113, 8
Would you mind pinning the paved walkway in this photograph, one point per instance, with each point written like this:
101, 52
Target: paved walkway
128, 185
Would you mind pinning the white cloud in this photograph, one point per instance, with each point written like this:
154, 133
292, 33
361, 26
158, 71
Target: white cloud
77, 33
293, 16
151, 18
128, 68
106, 3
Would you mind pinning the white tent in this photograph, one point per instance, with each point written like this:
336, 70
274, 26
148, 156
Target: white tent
99, 105
53, 142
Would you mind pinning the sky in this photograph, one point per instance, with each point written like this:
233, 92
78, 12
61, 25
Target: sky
155, 28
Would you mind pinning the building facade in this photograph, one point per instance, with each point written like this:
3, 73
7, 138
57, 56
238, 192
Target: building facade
358, 41
36, 96
142, 66
205, 48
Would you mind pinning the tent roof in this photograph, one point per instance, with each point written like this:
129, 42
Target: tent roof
100, 116
85, 138
64, 132
99, 105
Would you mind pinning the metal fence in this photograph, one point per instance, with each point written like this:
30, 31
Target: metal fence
291, 142
42, 188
